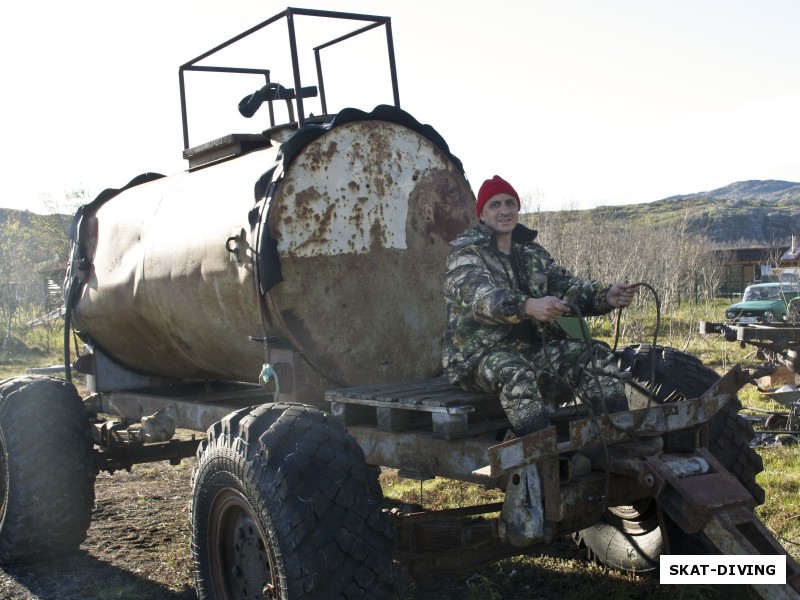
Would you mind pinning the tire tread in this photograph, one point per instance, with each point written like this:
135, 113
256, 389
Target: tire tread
320, 497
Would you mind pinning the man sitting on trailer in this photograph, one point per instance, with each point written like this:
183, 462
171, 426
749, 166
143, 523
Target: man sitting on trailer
504, 294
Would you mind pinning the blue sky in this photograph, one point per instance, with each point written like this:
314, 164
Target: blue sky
578, 103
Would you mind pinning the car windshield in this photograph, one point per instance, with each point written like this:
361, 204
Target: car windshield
767, 292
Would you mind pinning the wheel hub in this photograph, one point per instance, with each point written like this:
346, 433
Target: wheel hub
251, 563
241, 561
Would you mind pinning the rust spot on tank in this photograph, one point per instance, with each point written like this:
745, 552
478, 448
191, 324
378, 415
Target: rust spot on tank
356, 153
439, 206
305, 203
357, 217
327, 218
377, 237
318, 157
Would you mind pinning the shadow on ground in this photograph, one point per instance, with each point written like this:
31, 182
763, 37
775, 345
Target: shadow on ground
82, 577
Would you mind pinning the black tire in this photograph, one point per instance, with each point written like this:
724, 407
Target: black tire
283, 504
629, 538
47, 471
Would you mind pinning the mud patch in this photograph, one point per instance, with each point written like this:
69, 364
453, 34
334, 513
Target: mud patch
137, 547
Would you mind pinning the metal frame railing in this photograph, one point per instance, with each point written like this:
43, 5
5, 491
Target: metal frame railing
289, 15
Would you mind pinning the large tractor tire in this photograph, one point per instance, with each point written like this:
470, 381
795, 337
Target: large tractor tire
47, 471
285, 508
629, 537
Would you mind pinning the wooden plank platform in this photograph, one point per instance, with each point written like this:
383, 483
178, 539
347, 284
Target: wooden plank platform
397, 406
433, 392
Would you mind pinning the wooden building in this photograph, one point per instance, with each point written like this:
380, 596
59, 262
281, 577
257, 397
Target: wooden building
743, 266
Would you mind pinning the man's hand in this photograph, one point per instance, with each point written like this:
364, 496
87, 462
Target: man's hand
620, 295
546, 309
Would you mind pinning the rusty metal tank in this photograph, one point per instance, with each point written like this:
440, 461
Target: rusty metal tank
171, 274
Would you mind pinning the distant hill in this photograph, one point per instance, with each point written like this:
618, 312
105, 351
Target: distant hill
770, 190
752, 212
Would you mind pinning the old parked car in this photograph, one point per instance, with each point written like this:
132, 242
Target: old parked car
764, 303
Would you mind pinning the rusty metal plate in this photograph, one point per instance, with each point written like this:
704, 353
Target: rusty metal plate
522, 451
657, 419
461, 459
362, 221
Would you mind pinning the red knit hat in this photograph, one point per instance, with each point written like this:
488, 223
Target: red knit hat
490, 187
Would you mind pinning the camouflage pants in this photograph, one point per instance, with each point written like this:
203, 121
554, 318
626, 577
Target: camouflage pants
523, 376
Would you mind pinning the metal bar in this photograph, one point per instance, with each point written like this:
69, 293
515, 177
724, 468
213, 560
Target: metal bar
122, 457
228, 70
347, 36
320, 82
295, 68
432, 408
461, 459
184, 118
449, 513
310, 12
196, 413
674, 416
392, 63
269, 104
424, 389
46, 370
738, 531
235, 39
523, 451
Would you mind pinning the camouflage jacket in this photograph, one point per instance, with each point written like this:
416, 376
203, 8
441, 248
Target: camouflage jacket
485, 299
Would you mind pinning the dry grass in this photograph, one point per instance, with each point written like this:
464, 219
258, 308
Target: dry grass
781, 482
